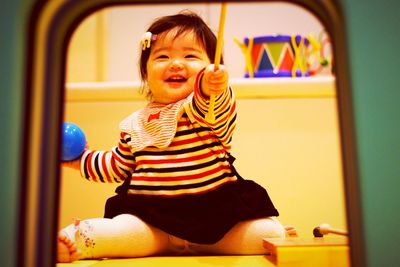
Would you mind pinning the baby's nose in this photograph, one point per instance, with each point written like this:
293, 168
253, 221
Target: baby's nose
176, 65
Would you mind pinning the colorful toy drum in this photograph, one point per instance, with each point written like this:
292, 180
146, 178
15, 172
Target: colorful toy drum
275, 56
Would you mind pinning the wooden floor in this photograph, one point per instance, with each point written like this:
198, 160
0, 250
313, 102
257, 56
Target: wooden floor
181, 261
283, 252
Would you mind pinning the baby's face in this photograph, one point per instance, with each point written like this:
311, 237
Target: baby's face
173, 66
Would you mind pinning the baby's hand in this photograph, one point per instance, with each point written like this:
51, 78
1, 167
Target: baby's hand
73, 164
76, 163
214, 82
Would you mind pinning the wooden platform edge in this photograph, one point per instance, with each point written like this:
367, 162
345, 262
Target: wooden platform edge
272, 244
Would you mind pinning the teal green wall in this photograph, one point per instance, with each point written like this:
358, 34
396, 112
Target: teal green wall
373, 28
374, 42
12, 23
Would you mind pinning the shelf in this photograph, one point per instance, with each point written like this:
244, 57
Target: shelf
305, 87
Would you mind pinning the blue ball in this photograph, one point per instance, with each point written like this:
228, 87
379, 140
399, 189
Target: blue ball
74, 141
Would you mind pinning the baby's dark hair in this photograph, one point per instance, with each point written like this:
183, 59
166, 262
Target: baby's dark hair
183, 22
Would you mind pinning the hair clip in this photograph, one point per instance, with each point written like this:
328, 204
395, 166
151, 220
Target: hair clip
147, 38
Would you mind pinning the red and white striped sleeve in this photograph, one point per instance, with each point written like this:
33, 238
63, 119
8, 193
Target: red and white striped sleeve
224, 110
109, 166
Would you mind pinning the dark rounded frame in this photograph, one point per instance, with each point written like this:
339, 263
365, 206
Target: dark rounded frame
39, 221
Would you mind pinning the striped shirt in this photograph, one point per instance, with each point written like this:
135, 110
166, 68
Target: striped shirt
170, 150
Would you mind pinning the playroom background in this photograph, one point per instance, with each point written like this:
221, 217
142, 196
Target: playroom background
287, 136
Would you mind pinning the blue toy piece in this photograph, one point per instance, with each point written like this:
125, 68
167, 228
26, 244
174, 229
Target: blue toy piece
74, 141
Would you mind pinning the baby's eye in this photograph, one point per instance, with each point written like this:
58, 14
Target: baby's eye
162, 57
191, 56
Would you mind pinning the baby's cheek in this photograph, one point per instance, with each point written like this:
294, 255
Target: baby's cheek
197, 66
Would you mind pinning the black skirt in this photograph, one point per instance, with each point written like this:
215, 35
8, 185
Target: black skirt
202, 218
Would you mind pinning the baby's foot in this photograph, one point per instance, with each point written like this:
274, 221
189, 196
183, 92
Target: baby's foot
66, 249
291, 231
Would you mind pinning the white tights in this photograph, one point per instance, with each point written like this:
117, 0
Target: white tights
128, 236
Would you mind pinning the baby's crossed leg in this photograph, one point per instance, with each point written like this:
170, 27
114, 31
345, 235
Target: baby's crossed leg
128, 236
245, 238
123, 236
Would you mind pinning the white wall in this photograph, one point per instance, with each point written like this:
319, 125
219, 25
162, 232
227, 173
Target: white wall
127, 24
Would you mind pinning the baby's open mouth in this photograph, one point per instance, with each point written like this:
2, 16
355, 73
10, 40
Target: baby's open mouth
176, 79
